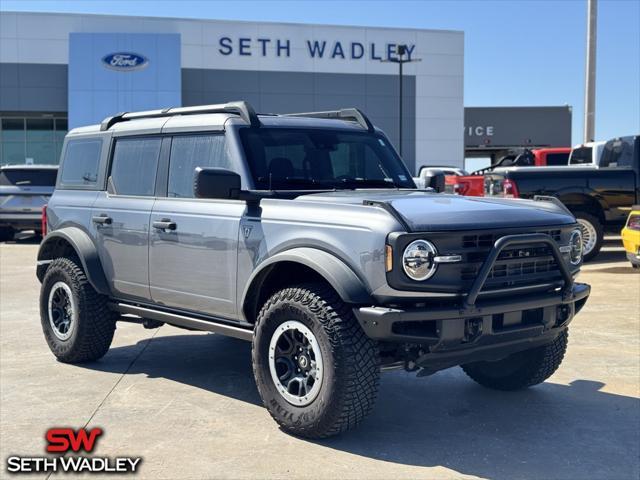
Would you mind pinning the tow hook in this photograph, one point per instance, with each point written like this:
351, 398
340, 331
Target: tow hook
472, 329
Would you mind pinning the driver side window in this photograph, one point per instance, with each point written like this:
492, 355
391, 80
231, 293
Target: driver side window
190, 152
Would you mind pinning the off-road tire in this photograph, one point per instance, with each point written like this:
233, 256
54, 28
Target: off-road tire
350, 361
95, 322
6, 234
522, 369
587, 217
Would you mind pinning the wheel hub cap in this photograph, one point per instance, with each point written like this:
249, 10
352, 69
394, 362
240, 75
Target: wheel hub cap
61, 310
589, 235
295, 363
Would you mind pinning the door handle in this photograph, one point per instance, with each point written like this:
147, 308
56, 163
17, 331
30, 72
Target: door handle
164, 224
103, 219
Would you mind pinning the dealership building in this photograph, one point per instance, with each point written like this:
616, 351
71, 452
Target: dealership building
60, 71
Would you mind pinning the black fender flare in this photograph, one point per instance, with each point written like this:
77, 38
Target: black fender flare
337, 273
84, 249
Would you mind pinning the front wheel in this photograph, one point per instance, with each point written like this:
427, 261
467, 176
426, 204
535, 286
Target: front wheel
522, 369
592, 234
316, 370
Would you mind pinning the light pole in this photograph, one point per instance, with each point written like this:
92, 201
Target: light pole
590, 72
401, 51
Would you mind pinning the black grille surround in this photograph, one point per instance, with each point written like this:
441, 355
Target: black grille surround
517, 269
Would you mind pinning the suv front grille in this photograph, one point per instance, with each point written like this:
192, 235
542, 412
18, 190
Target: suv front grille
487, 240
515, 267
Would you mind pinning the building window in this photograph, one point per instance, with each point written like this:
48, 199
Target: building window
32, 139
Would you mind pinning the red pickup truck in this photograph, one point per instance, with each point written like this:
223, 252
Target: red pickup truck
473, 185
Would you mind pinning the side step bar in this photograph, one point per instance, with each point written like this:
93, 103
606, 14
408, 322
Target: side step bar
184, 321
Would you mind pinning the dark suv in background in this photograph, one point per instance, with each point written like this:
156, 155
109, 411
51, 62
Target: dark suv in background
24, 191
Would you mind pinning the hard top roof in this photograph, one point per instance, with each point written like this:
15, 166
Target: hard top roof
231, 113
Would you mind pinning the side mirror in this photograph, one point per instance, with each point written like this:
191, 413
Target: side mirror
433, 178
216, 183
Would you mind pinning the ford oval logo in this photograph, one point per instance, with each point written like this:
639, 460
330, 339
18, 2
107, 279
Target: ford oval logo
124, 61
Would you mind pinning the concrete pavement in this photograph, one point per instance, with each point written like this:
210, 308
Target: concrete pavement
187, 402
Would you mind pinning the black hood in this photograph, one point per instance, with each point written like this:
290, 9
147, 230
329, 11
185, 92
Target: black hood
425, 211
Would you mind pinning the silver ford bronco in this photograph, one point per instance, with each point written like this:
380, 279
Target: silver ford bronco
304, 234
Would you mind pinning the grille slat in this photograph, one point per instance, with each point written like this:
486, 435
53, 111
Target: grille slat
515, 266
487, 240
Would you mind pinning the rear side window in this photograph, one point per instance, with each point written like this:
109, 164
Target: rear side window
557, 158
80, 165
134, 166
28, 177
581, 155
190, 152
618, 153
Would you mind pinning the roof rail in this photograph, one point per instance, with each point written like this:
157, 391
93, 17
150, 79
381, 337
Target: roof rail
243, 109
352, 114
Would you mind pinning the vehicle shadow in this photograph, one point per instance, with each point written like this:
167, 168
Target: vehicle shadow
26, 238
608, 256
549, 431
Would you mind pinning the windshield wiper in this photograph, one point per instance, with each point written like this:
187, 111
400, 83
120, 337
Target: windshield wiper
290, 181
368, 182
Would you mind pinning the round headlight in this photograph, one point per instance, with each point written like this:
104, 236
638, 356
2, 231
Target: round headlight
575, 242
417, 260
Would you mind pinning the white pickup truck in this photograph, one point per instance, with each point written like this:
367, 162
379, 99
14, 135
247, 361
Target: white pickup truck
586, 154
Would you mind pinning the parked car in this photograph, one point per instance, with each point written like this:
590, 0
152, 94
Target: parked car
631, 237
473, 185
426, 172
24, 191
598, 198
587, 154
305, 234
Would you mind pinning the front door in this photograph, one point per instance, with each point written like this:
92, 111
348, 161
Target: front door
121, 216
194, 242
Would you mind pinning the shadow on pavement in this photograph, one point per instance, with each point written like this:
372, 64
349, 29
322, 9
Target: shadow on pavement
608, 256
549, 431
26, 238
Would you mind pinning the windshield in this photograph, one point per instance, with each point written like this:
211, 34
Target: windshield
580, 155
29, 177
307, 159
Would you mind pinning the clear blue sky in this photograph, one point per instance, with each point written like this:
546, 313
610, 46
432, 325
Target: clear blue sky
527, 52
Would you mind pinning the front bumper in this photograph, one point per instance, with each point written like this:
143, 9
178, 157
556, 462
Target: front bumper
477, 329
450, 326
490, 331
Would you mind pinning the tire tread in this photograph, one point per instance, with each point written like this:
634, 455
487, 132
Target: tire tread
356, 358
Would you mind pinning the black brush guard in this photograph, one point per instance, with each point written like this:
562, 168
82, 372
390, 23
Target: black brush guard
473, 328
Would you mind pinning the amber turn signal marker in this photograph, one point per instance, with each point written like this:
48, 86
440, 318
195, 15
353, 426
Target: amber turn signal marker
388, 258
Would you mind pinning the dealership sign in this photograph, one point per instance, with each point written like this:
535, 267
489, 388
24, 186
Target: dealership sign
125, 62
263, 47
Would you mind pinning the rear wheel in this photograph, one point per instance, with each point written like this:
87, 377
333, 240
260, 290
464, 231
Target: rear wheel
76, 321
316, 370
592, 234
6, 234
521, 369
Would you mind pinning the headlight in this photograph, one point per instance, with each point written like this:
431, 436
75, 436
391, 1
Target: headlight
418, 260
575, 242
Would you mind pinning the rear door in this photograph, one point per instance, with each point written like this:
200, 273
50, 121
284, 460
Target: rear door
194, 242
120, 216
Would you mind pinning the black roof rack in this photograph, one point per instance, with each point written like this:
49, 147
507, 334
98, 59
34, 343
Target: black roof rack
243, 109
352, 114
